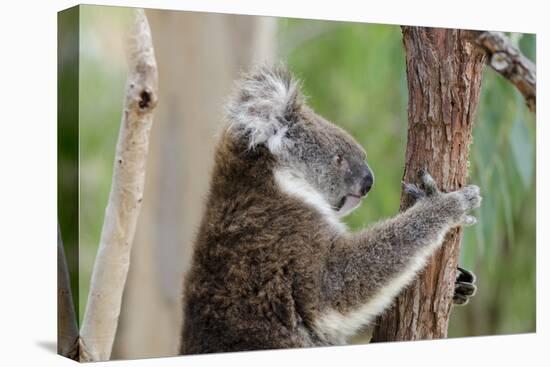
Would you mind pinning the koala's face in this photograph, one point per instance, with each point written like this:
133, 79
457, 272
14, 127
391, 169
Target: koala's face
268, 109
329, 159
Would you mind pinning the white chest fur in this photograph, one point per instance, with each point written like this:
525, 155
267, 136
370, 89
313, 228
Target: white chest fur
296, 186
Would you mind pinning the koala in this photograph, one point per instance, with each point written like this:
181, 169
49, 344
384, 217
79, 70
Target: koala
273, 265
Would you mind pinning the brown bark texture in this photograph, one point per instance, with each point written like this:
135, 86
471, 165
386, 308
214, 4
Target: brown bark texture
444, 70
509, 62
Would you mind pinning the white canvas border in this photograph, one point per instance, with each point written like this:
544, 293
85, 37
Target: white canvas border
28, 185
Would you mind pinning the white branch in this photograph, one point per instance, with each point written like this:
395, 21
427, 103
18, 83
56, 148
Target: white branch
113, 257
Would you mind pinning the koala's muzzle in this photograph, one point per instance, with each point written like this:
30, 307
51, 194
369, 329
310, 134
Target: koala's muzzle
367, 181
364, 180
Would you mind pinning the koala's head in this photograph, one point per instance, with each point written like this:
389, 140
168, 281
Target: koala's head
268, 109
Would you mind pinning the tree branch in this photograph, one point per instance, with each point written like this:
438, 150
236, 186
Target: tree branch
113, 257
67, 328
509, 62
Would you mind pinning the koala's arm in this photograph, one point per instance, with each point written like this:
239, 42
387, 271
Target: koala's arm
366, 270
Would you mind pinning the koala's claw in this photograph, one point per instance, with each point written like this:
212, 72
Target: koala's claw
427, 182
426, 188
412, 190
464, 287
464, 275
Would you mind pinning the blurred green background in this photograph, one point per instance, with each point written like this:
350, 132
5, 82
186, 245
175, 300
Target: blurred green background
354, 75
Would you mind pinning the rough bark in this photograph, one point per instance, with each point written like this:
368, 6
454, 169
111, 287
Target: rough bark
200, 56
509, 62
444, 77
67, 328
113, 257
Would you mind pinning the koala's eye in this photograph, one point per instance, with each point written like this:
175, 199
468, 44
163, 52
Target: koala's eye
338, 160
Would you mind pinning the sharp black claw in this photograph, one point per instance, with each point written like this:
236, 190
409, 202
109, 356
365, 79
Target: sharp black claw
412, 190
465, 276
465, 289
464, 286
460, 300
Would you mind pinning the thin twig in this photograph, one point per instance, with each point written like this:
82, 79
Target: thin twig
113, 257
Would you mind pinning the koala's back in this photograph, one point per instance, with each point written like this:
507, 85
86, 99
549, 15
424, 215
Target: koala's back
239, 308
254, 249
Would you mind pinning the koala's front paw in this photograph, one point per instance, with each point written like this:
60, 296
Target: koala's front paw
427, 188
469, 198
455, 204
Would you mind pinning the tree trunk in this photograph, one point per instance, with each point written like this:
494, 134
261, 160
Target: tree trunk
444, 77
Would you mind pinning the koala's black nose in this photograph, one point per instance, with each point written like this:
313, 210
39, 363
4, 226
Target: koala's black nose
367, 182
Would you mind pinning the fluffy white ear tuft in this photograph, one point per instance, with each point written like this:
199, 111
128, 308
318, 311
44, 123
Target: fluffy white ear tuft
263, 107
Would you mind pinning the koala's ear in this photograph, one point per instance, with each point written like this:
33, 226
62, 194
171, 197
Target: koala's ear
265, 104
